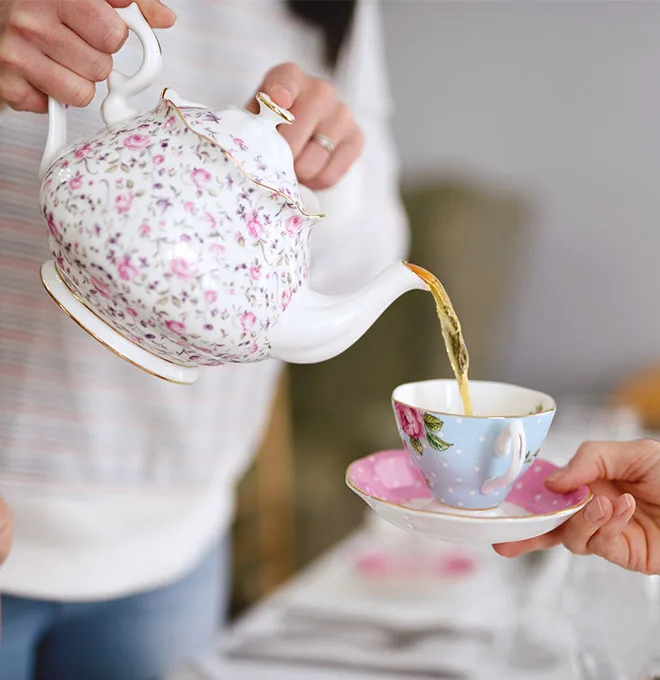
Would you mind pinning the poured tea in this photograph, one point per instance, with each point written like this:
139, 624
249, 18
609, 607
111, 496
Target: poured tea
451, 333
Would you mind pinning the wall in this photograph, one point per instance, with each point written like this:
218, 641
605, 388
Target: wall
560, 100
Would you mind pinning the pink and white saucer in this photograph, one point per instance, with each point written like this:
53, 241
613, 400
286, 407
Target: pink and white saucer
396, 490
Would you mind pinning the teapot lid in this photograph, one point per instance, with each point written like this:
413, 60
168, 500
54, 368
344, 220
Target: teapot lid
251, 141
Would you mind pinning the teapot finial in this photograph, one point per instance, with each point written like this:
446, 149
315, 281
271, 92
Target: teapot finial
269, 110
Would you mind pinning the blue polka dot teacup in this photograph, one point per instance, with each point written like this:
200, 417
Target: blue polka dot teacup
471, 462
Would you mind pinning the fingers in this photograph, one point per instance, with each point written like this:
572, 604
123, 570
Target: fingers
606, 460
582, 527
530, 545
61, 48
155, 12
622, 512
283, 84
575, 533
67, 49
309, 99
339, 163
598, 529
316, 109
24, 68
314, 104
319, 168
96, 23
19, 94
610, 541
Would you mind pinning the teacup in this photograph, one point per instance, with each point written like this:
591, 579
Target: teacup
471, 462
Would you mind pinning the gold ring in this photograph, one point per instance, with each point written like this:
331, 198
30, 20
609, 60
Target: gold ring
325, 142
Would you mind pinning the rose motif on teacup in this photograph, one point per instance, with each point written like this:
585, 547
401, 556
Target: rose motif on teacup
420, 425
410, 420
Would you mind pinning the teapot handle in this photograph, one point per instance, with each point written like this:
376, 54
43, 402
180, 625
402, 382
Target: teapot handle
114, 108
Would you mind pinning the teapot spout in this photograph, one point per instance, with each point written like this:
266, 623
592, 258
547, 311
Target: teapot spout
318, 327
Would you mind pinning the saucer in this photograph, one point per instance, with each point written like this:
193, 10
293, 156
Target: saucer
396, 490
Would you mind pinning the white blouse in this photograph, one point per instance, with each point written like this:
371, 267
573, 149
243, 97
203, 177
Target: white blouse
120, 482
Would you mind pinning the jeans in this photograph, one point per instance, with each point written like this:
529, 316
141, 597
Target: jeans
140, 637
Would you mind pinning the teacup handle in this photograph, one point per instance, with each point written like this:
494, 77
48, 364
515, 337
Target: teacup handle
512, 439
114, 108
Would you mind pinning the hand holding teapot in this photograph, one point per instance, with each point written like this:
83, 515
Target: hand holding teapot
62, 49
324, 139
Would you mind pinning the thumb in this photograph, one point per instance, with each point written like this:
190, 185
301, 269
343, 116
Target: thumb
283, 84
603, 460
155, 12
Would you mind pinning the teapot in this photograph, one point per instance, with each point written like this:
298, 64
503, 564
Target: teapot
181, 237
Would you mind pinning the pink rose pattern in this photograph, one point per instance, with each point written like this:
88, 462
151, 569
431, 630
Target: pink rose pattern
410, 420
123, 202
254, 227
137, 141
52, 227
417, 426
182, 268
294, 224
83, 151
176, 327
126, 270
201, 178
206, 291
248, 320
99, 287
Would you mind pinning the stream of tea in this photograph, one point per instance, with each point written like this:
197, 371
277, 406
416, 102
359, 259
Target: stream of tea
451, 333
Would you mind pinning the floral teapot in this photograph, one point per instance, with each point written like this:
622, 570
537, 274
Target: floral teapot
180, 236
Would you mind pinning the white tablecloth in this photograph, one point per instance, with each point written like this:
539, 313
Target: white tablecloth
480, 604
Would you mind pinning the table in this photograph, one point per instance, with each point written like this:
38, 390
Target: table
325, 587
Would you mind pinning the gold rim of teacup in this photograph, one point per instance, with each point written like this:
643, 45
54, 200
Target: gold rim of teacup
543, 395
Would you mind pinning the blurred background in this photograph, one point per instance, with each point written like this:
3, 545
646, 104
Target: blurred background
529, 136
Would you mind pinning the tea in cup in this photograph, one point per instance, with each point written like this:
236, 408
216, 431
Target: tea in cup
471, 462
